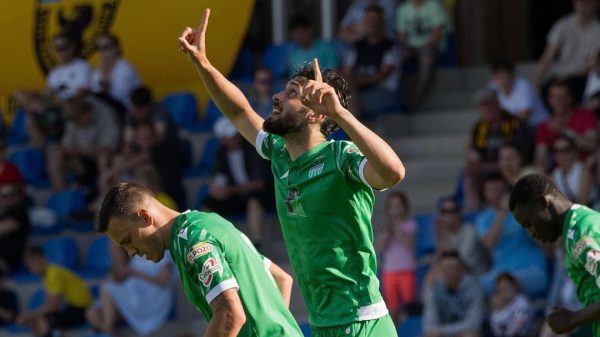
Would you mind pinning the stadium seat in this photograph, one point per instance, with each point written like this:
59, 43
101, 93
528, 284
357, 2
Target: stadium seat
411, 327
32, 164
211, 115
96, 263
62, 251
276, 59
37, 299
305, 328
67, 204
200, 196
17, 134
183, 108
243, 70
425, 234
205, 165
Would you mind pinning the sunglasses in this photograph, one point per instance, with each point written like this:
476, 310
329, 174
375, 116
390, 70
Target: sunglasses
62, 47
102, 47
449, 210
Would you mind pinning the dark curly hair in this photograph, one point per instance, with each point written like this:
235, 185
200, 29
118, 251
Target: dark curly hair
333, 79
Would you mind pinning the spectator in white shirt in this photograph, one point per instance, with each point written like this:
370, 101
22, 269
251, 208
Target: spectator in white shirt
73, 75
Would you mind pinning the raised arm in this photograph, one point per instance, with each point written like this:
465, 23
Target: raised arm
230, 100
383, 168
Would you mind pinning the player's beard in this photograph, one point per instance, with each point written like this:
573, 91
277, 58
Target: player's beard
282, 124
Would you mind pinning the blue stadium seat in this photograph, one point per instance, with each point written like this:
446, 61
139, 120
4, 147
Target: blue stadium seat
62, 251
425, 234
97, 262
205, 166
200, 196
305, 328
243, 69
32, 164
211, 115
17, 134
37, 299
66, 204
186, 150
411, 327
276, 59
183, 108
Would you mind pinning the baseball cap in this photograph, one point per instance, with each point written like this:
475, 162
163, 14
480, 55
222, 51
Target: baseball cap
223, 128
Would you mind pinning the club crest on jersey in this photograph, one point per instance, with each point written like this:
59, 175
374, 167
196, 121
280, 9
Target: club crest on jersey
316, 170
591, 262
581, 245
209, 267
198, 250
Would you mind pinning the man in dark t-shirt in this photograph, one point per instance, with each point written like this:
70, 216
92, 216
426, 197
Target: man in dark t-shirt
14, 227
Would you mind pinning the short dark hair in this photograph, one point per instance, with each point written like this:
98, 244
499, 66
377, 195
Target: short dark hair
34, 251
337, 82
113, 39
141, 96
403, 199
450, 254
120, 200
300, 21
493, 176
374, 8
530, 188
503, 65
510, 278
561, 83
449, 198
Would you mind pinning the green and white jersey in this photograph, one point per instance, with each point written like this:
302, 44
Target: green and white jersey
213, 256
324, 206
581, 232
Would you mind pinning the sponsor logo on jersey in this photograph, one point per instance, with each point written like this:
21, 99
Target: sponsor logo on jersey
209, 267
316, 170
183, 233
581, 245
353, 149
591, 263
198, 250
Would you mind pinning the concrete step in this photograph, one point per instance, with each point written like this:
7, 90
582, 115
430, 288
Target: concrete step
443, 100
425, 123
431, 171
429, 146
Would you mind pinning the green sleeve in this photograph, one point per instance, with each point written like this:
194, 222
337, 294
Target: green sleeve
206, 264
586, 253
351, 162
267, 144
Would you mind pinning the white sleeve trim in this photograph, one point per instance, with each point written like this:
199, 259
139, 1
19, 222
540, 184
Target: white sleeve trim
221, 287
267, 264
260, 139
361, 173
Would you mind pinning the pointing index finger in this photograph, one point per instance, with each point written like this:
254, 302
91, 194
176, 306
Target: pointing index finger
204, 22
318, 76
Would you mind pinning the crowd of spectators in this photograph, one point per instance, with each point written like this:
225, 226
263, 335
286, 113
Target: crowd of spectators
101, 125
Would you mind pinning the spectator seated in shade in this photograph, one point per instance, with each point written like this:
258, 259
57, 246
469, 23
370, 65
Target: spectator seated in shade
260, 94
241, 181
308, 47
8, 303
516, 95
512, 164
494, 128
570, 175
90, 138
396, 243
352, 26
142, 294
421, 27
455, 303
372, 66
592, 85
566, 120
164, 147
14, 226
571, 47
67, 297
511, 311
512, 250
452, 234
114, 78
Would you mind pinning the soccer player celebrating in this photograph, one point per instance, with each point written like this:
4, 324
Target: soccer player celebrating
223, 275
323, 189
547, 214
